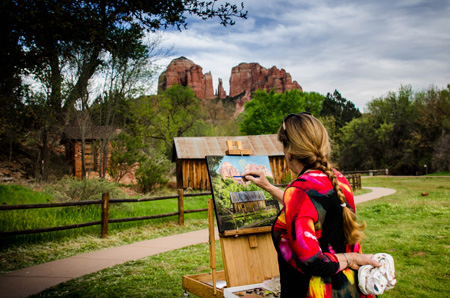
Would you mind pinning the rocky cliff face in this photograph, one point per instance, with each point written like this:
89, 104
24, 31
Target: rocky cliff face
252, 76
184, 72
245, 79
249, 77
220, 91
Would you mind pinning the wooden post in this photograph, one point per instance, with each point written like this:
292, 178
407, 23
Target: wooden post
105, 214
212, 244
180, 207
359, 181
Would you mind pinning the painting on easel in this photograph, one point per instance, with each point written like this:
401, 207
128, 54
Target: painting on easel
240, 204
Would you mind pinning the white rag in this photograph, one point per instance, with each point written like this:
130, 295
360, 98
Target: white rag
376, 280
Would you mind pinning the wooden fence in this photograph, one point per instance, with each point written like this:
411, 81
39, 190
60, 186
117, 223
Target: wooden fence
105, 201
367, 172
355, 181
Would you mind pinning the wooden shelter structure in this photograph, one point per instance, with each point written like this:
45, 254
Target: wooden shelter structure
189, 155
73, 139
245, 201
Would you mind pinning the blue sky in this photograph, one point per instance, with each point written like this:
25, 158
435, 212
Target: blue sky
364, 49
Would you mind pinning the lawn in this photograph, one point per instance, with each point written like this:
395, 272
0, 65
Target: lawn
413, 228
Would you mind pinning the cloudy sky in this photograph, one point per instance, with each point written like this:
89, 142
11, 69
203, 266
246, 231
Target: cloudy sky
364, 49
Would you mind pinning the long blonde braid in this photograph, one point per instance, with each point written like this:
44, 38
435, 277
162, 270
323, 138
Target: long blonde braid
306, 139
352, 230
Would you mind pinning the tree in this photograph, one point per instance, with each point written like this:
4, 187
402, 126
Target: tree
265, 112
338, 107
123, 77
167, 115
359, 150
432, 127
441, 154
217, 119
383, 138
218, 110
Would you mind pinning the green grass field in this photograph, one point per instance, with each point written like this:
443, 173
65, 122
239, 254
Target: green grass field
414, 229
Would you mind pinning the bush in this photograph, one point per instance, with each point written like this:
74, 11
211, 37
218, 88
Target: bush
126, 153
70, 189
153, 172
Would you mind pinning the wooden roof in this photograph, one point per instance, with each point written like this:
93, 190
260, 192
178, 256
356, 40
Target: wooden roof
199, 147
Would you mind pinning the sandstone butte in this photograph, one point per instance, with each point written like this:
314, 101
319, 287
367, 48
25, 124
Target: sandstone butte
184, 72
244, 80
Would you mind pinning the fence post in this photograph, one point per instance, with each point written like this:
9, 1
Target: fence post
180, 207
105, 214
359, 181
354, 181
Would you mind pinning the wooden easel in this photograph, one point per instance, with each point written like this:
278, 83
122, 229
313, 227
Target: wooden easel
249, 256
238, 151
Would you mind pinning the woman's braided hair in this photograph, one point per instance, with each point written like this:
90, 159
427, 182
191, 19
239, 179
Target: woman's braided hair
306, 139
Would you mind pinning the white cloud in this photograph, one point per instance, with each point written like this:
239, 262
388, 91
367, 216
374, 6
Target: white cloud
362, 49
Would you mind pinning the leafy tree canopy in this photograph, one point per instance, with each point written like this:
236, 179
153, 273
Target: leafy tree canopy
265, 112
402, 131
167, 115
338, 107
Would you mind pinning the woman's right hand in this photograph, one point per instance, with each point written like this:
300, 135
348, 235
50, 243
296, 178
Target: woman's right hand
259, 178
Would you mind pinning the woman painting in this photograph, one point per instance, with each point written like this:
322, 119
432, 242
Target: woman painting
316, 234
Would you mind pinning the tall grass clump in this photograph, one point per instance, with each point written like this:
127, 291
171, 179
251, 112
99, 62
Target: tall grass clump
11, 194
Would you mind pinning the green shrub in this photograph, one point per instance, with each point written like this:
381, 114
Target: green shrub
126, 153
153, 172
73, 189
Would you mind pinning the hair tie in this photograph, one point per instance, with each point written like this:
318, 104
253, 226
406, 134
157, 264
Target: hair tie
343, 205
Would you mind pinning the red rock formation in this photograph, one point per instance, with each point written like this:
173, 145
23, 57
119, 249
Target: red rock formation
245, 79
186, 73
208, 86
252, 76
241, 100
220, 91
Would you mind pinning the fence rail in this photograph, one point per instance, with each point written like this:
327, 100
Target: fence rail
105, 201
367, 172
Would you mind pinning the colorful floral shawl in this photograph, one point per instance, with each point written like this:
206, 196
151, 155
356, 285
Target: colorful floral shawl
308, 233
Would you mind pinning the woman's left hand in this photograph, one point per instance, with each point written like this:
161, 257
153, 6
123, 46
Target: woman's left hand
357, 260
